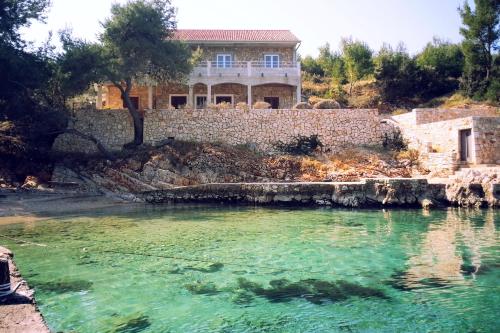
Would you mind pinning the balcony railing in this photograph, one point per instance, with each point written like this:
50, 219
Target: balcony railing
246, 69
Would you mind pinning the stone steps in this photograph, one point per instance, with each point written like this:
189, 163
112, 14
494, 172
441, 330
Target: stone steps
129, 182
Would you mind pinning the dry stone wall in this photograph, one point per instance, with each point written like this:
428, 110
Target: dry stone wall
424, 116
264, 128
486, 132
113, 128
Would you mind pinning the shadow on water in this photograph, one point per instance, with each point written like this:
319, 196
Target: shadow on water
62, 286
312, 290
133, 323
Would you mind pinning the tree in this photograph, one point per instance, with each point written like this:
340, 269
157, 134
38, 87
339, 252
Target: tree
311, 66
135, 46
444, 58
396, 73
15, 14
357, 57
481, 32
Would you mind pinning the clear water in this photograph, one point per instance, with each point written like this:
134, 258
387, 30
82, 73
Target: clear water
215, 269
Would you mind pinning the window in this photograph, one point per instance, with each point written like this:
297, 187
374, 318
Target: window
224, 60
272, 60
178, 101
273, 101
201, 101
224, 99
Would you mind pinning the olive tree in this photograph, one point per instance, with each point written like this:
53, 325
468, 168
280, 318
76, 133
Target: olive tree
136, 45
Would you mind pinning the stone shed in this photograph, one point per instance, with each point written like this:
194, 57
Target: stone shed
450, 138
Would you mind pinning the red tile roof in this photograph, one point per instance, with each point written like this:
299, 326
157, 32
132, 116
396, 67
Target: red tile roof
209, 35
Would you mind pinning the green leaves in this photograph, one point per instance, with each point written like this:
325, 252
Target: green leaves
481, 31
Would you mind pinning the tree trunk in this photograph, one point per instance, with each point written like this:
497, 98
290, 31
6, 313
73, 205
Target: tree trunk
134, 113
136, 117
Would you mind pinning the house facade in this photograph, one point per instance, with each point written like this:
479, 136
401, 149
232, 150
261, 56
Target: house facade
236, 66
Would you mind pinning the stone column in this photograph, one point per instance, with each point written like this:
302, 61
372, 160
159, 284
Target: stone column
249, 97
299, 84
209, 94
98, 103
191, 97
150, 97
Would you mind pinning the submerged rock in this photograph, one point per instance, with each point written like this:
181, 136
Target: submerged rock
133, 323
201, 288
63, 286
312, 290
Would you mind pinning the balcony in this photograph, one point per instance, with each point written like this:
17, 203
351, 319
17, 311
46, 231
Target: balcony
246, 72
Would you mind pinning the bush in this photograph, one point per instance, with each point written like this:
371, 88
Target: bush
410, 155
302, 106
242, 106
327, 104
395, 141
301, 145
261, 105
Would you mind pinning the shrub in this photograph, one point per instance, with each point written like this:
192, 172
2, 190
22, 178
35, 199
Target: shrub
399, 111
301, 145
242, 106
302, 106
261, 105
395, 141
410, 155
220, 106
327, 104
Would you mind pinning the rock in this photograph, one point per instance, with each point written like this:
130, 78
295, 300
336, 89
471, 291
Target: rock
30, 182
302, 106
427, 204
327, 104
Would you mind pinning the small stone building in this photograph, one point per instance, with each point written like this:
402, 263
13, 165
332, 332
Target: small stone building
448, 139
236, 66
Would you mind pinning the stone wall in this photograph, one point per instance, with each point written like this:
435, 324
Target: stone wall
436, 134
113, 128
263, 128
247, 53
425, 116
486, 132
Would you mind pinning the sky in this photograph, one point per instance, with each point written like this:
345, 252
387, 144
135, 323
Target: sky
314, 22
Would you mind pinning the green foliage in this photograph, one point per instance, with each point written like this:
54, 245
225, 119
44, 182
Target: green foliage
357, 57
15, 14
136, 46
32, 111
301, 145
443, 58
395, 141
311, 66
481, 32
396, 73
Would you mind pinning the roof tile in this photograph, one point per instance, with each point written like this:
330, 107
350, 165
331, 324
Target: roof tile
212, 35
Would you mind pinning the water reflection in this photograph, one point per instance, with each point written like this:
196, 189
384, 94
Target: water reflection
450, 251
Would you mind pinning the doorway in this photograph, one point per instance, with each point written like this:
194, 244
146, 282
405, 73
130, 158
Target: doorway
134, 101
223, 99
273, 101
178, 101
465, 145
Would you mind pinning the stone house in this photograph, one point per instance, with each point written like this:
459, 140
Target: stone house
448, 139
236, 66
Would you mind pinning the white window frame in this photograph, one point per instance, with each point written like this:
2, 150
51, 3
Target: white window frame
225, 63
224, 95
177, 95
274, 62
196, 97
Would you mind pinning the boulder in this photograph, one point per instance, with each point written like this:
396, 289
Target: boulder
302, 106
327, 104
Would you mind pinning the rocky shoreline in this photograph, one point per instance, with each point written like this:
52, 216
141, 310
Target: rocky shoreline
19, 312
383, 192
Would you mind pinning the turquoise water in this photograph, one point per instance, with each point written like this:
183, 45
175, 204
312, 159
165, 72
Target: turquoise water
213, 269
